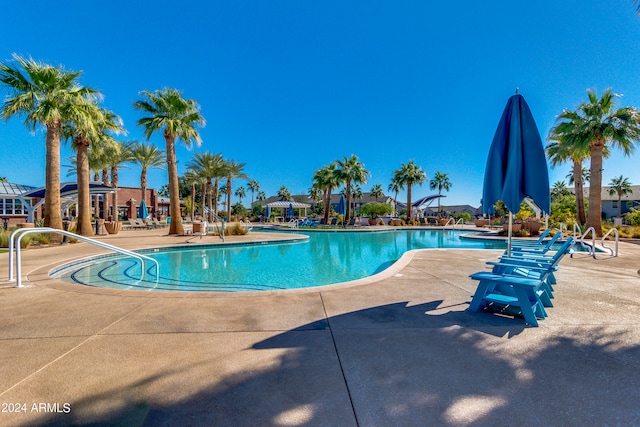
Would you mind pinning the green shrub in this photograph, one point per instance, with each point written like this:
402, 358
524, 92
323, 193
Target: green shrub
376, 209
633, 217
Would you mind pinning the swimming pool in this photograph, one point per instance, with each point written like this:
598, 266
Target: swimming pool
321, 259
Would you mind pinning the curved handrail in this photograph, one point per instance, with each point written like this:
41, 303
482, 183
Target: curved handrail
293, 223
216, 220
247, 225
615, 231
16, 236
450, 220
460, 220
577, 231
592, 249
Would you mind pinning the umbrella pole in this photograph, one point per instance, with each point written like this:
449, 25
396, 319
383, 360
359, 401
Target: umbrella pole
510, 234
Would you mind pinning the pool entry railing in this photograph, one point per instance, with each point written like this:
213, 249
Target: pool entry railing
580, 238
217, 223
16, 238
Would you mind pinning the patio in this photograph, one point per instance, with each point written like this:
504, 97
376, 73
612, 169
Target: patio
400, 350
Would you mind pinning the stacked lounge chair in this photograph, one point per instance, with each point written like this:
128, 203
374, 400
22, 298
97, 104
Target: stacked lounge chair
524, 280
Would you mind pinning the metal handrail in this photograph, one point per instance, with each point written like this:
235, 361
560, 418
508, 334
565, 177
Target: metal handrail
615, 231
16, 237
247, 225
577, 231
592, 250
216, 220
460, 220
293, 223
450, 220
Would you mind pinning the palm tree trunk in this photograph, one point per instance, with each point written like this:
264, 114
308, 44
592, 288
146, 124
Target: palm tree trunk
594, 218
348, 188
619, 204
229, 200
114, 196
83, 226
52, 217
577, 188
216, 195
105, 203
327, 206
409, 202
175, 226
143, 185
209, 199
193, 199
96, 197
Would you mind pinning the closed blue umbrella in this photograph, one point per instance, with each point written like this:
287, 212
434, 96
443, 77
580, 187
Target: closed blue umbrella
290, 212
516, 165
267, 211
142, 210
342, 206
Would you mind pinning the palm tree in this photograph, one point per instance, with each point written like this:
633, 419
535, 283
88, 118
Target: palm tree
48, 96
559, 190
284, 193
146, 156
177, 118
395, 186
376, 191
327, 179
89, 128
193, 178
233, 170
595, 124
620, 186
563, 148
351, 170
441, 182
410, 174
356, 194
261, 196
254, 186
240, 193
212, 168
119, 153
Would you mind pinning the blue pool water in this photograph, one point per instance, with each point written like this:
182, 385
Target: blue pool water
322, 259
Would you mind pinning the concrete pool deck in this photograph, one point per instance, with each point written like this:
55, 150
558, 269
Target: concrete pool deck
399, 350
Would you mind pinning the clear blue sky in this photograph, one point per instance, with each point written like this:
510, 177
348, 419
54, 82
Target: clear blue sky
289, 86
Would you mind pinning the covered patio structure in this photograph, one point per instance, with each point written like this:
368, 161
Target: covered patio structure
68, 196
286, 204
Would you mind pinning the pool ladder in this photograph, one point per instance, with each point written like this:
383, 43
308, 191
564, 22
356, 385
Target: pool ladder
16, 237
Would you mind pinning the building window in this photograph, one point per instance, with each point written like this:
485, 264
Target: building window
14, 207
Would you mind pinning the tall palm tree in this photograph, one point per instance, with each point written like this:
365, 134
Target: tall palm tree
119, 154
356, 194
211, 166
254, 186
46, 96
233, 170
595, 125
351, 170
620, 186
284, 193
146, 156
240, 193
261, 196
193, 178
558, 190
562, 148
91, 128
377, 192
327, 179
441, 182
395, 187
177, 118
409, 175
